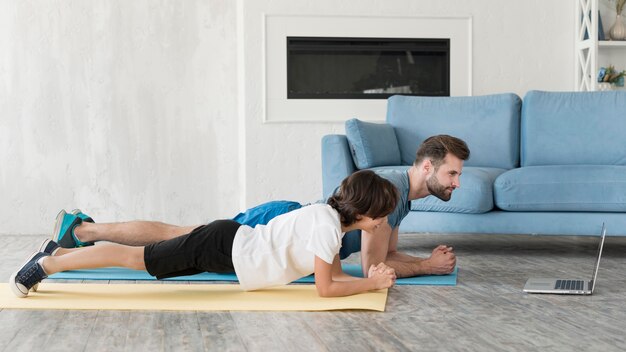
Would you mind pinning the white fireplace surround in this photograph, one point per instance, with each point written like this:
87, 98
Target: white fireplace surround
276, 29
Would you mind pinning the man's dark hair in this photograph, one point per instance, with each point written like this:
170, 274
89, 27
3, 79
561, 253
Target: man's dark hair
437, 147
364, 193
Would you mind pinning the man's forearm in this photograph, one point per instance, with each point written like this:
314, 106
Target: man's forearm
406, 265
402, 257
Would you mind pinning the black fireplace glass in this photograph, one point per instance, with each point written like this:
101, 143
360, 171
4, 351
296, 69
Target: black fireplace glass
366, 68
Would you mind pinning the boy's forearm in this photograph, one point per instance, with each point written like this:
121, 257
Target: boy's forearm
344, 277
331, 281
345, 288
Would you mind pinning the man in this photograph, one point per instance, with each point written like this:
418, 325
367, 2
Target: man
435, 171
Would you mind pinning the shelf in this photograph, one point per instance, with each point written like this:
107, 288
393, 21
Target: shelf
612, 43
591, 53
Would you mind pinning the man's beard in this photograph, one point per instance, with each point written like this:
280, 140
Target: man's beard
437, 189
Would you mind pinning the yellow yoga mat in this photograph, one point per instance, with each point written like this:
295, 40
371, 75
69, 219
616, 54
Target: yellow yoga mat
185, 297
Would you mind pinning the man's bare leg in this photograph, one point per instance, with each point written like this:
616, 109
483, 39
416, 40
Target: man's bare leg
132, 233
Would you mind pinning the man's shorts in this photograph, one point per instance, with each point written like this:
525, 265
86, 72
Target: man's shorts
206, 248
350, 243
263, 213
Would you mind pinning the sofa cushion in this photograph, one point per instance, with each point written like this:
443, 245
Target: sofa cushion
475, 195
372, 144
573, 128
597, 188
488, 124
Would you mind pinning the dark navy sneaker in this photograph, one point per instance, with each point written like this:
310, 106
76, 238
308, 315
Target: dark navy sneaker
49, 246
83, 216
64, 231
28, 275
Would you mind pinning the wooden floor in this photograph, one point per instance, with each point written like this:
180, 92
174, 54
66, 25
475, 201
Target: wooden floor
486, 311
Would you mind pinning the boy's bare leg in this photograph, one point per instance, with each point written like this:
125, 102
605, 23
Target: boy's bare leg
132, 233
106, 255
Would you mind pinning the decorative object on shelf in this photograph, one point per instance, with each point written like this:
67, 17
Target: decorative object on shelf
618, 31
608, 78
600, 28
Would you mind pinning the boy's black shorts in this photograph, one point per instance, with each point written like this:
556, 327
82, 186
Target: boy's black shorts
206, 248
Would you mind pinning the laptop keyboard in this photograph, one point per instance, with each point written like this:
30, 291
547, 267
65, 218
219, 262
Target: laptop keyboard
570, 285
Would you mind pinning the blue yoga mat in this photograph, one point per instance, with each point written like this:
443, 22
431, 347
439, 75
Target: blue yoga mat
129, 274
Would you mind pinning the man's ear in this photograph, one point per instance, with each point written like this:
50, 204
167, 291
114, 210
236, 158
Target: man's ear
427, 165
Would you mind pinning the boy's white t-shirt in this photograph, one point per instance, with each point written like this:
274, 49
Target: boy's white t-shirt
284, 250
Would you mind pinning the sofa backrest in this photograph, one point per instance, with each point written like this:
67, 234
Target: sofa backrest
488, 124
573, 128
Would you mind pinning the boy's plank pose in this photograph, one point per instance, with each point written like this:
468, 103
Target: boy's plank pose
436, 170
289, 247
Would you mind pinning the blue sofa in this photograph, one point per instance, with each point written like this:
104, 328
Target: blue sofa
554, 163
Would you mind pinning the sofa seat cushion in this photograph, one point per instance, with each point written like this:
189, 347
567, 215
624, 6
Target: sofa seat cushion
596, 188
475, 196
372, 144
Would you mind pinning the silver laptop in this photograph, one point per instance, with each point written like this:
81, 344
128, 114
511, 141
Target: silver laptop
567, 286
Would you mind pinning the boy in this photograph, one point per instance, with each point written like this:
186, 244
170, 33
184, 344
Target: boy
289, 247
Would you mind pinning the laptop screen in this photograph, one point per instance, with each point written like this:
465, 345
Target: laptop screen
595, 268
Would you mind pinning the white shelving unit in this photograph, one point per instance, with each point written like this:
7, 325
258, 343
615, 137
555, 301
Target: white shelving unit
612, 43
591, 53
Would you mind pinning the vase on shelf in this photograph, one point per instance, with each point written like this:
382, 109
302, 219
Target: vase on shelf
618, 31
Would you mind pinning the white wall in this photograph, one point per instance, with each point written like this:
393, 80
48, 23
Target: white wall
132, 109
517, 46
126, 109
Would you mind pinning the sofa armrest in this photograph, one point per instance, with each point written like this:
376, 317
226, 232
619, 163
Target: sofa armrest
337, 162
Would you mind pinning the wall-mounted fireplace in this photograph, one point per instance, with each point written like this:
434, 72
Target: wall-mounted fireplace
366, 68
339, 67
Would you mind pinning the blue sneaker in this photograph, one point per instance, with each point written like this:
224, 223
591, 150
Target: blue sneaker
83, 216
28, 275
64, 231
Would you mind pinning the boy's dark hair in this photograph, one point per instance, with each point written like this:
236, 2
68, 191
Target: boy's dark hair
364, 193
437, 147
